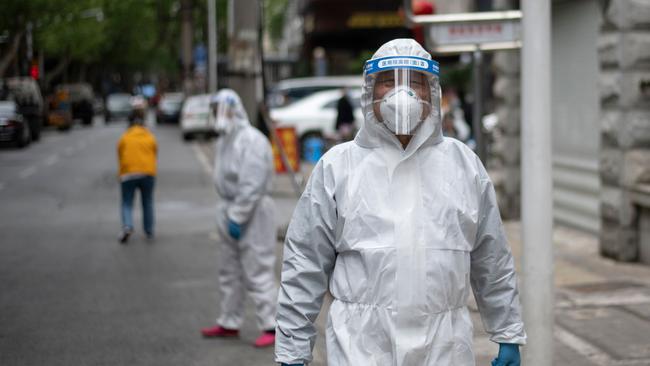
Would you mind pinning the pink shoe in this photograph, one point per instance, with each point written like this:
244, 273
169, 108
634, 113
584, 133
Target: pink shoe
219, 331
265, 339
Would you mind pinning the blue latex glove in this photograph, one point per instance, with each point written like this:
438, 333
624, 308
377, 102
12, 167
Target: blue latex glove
235, 230
508, 355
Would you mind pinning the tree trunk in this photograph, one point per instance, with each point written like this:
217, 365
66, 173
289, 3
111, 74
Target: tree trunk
83, 68
58, 70
6, 59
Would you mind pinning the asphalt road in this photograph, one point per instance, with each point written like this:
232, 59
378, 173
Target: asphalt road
71, 295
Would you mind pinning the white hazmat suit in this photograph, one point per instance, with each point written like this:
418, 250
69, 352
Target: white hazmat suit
242, 176
398, 236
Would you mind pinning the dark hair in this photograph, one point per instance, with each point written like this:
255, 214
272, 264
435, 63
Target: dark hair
137, 116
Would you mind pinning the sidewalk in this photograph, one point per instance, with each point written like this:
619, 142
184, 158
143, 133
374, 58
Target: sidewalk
602, 307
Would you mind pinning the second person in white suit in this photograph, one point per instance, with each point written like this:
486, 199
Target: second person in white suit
245, 221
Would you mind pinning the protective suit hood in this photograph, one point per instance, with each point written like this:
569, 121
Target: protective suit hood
230, 111
373, 133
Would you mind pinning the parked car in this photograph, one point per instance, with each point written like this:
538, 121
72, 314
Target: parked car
169, 107
27, 94
81, 101
315, 115
118, 106
13, 126
288, 91
195, 116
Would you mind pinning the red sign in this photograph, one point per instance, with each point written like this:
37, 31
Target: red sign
289, 141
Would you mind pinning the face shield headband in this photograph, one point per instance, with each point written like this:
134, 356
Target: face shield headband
404, 90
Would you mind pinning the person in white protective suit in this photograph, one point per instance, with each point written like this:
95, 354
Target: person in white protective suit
245, 220
397, 225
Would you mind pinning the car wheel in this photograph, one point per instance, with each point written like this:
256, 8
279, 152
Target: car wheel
188, 136
87, 120
25, 136
36, 132
65, 127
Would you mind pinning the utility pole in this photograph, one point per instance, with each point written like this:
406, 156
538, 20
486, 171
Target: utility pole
186, 44
212, 46
536, 184
244, 67
477, 108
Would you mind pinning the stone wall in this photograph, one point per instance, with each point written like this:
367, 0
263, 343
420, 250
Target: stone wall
624, 53
504, 156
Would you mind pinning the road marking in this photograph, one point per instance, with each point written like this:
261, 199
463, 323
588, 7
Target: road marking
51, 160
591, 352
200, 156
27, 172
584, 348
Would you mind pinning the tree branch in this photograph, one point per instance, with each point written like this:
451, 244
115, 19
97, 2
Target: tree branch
58, 70
11, 53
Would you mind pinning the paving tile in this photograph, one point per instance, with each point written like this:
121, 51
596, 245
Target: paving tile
566, 356
642, 310
615, 331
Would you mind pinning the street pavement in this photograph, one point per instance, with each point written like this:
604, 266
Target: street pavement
71, 295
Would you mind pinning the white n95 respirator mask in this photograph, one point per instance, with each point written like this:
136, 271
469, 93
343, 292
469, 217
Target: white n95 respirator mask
402, 110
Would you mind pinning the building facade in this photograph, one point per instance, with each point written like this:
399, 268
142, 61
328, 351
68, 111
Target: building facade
600, 123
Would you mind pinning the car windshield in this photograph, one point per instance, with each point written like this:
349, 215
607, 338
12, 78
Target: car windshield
120, 101
7, 107
78, 92
197, 104
171, 103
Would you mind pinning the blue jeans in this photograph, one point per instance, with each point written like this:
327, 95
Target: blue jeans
145, 185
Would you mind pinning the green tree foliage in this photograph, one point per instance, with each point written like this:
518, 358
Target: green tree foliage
132, 32
274, 11
120, 35
74, 30
15, 15
125, 34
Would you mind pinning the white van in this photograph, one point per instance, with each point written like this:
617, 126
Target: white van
195, 116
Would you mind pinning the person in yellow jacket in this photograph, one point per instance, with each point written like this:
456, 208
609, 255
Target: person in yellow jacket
136, 151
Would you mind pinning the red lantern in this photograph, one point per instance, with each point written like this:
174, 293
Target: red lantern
34, 71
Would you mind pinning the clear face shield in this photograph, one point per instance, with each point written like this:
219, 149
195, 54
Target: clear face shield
222, 110
405, 91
